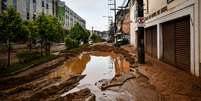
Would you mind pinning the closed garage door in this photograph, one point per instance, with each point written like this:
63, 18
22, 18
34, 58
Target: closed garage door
176, 42
151, 41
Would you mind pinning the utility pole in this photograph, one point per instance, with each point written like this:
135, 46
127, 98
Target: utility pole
140, 12
115, 22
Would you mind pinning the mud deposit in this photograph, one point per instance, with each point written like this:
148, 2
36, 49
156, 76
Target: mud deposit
98, 67
83, 77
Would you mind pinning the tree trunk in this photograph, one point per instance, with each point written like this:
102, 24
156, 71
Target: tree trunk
30, 45
49, 48
41, 48
46, 49
9, 51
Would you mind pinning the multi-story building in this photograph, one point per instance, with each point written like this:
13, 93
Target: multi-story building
68, 17
61, 12
172, 32
30, 9
72, 18
102, 34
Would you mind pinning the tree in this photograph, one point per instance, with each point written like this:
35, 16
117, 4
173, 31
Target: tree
10, 25
95, 38
49, 29
70, 43
30, 28
79, 34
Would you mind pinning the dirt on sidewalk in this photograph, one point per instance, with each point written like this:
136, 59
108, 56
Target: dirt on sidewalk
172, 83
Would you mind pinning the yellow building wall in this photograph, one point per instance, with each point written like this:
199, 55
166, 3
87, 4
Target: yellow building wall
155, 5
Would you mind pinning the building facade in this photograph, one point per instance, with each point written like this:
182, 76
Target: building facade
68, 17
172, 32
71, 18
30, 9
102, 34
61, 12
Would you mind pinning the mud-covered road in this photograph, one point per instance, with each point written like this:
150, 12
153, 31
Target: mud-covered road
96, 73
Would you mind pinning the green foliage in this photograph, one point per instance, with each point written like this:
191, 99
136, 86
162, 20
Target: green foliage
31, 29
10, 24
49, 27
70, 43
27, 56
79, 34
95, 38
50, 30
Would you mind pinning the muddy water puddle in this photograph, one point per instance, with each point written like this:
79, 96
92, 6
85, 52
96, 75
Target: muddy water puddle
97, 66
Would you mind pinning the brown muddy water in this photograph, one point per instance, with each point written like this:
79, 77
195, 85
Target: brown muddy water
97, 66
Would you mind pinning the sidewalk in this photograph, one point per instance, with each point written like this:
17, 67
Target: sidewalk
171, 83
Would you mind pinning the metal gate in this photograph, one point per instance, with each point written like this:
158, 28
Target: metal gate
176, 42
151, 41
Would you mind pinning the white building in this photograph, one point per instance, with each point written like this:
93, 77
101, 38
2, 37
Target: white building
30, 9
71, 18
172, 32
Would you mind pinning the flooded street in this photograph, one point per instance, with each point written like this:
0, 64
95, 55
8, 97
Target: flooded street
92, 70
106, 75
98, 67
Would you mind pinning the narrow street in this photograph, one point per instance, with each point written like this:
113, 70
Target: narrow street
100, 50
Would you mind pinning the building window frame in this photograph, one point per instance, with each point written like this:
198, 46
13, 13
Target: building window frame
4, 4
43, 3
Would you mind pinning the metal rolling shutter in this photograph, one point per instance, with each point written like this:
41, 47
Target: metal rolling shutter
182, 31
154, 42
151, 41
169, 43
149, 48
176, 42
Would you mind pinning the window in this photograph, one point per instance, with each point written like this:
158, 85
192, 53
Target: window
43, 4
168, 1
4, 4
27, 15
15, 3
34, 5
47, 6
34, 16
28, 9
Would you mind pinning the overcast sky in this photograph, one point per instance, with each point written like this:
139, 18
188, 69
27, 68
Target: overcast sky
92, 11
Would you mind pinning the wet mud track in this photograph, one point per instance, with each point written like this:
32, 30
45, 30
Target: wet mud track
49, 83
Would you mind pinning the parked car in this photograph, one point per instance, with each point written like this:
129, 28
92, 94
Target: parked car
120, 39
